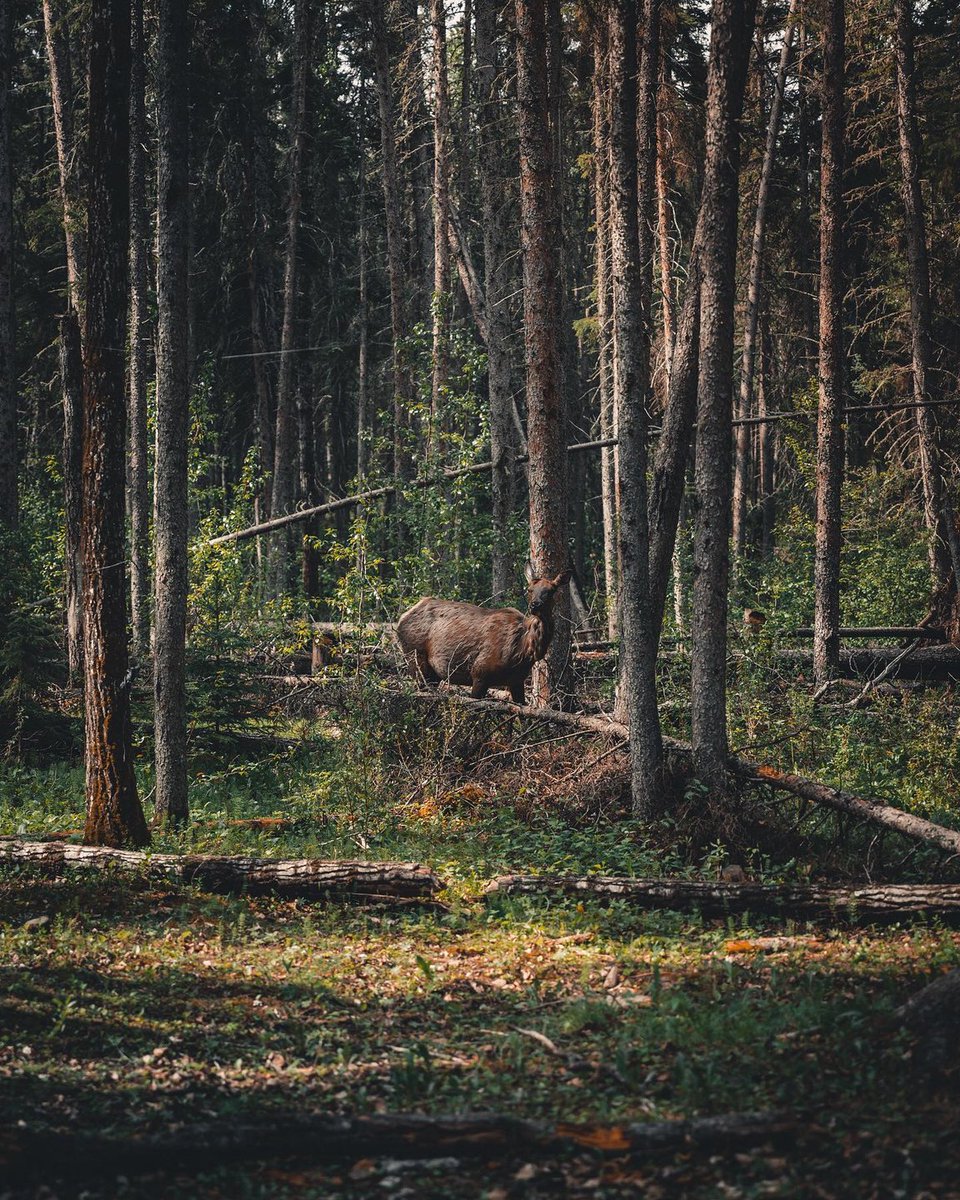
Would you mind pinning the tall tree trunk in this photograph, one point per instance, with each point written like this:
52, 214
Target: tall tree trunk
137, 484
496, 255
466, 89
730, 39
173, 413
363, 316
8, 397
546, 416
402, 382
631, 206
71, 383
114, 816
668, 306
601, 187
441, 208
826, 568
285, 434
742, 456
61, 96
417, 155
944, 553
767, 434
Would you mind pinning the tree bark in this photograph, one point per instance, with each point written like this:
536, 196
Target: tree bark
304, 878
9, 503
417, 155
601, 187
114, 815
546, 415
768, 459
943, 549
173, 414
441, 208
496, 254
402, 382
137, 481
730, 39
742, 454
364, 411
801, 902
631, 207
61, 96
830, 430
71, 383
285, 431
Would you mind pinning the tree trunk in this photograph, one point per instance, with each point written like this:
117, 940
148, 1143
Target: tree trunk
441, 211
944, 552
61, 96
667, 303
742, 456
137, 481
830, 417
364, 411
285, 431
71, 383
631, 263
497, 248
173, 414
546, 416
402, 382
114, 815
417, 154
8, 397
800, 902
730, 40
292, 879
601, 184
768, 461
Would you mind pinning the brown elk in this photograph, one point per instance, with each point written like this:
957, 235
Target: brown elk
456, 642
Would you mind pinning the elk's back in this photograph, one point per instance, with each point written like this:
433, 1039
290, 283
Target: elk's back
451, 634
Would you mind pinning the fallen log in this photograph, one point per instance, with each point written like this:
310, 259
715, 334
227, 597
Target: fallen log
935, 663
931, 633
301, 879
881, 902
39, 1155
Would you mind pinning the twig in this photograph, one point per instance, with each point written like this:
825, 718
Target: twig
884, 674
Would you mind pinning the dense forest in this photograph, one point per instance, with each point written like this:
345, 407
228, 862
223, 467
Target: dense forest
326, 325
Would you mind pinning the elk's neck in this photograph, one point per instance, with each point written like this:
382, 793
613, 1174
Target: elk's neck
537, 634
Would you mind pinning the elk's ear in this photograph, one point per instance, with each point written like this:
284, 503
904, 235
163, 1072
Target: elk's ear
529, 573
562, 578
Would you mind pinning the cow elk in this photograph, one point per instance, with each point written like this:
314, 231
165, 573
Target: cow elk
455, 642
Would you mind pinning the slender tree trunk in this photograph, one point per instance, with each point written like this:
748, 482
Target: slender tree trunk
601, 186
466, 90
402, 384
61, 95
668, 306
730, 39
944, 553
173, 413
137, 484
8, 397
546, 418
285, 432
496, 254
441, 207
830, 439
71, 383
742, 456
114, 815
631, 207
767, 433
417, 154
363, 320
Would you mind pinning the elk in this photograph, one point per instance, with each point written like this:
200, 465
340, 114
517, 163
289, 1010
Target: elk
457, 642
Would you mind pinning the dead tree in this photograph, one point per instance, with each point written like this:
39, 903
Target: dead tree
944, 551
546, 413
61, 97
114, 815
630, 212
730, 38
830, 435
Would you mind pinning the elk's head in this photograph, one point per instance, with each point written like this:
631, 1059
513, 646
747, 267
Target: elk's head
541, 593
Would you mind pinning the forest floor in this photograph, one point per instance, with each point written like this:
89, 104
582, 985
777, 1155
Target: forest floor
129, 1008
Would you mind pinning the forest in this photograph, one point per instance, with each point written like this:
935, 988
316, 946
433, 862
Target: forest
479, 617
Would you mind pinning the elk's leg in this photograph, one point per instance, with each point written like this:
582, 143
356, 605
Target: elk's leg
517, 693
479, 689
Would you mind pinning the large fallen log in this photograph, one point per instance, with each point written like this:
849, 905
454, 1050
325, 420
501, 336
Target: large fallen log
917, 828
881, 902
301, 879
933, 633
29, 1154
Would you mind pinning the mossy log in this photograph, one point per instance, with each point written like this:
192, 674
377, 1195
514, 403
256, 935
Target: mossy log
300, 879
